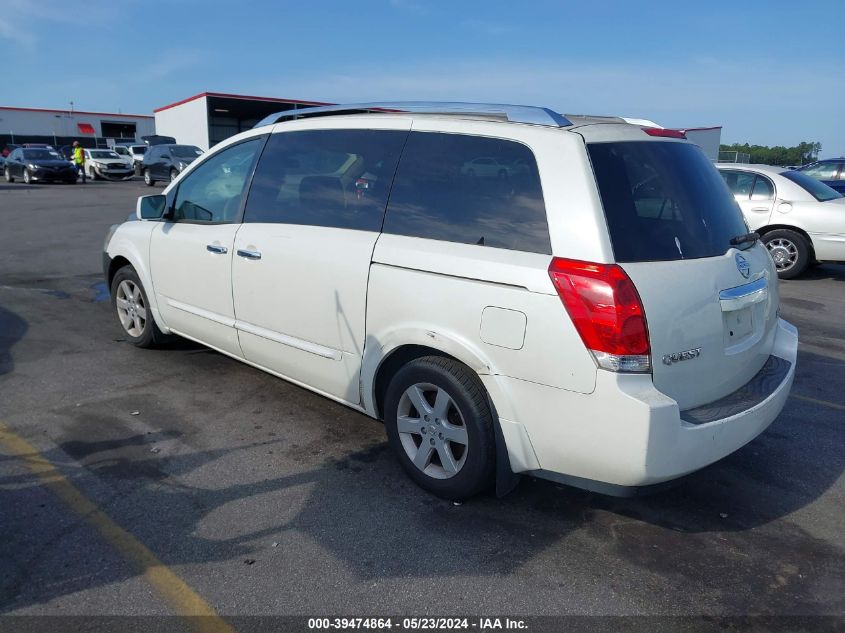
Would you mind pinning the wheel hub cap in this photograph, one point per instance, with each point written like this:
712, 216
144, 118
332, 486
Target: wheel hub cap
432, 430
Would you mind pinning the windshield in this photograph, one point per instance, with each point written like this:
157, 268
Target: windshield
185, 151
664, 201
103, 154
41, 154
139, 149
815, 188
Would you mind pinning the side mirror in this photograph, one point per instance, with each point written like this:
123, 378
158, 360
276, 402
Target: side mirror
151, 207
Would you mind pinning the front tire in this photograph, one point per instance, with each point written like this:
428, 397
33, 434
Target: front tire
440, 426
130, 304
148, 178
789, 250
27, 177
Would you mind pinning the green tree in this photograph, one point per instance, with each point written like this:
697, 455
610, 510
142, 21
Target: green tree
800, 154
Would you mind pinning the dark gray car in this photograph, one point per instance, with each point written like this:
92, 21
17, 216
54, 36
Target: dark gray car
166, 162
38, 164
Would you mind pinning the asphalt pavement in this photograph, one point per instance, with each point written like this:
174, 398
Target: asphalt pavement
262, 498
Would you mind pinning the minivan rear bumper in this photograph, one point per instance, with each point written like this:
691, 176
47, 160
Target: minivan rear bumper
627, 433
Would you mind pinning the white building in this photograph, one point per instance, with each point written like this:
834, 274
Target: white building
207, 118
62, 127
210, 117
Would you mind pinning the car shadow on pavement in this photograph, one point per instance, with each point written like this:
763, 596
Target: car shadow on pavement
268, 497
12, 329
835, 272
18, 187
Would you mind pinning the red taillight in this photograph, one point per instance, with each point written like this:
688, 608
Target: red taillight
607, 312
659, 131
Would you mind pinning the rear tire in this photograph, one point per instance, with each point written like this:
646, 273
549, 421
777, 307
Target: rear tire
130, 304
8, 175
148, 178
789, 250
440, 426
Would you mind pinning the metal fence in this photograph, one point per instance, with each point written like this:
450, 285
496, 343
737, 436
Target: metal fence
734, 157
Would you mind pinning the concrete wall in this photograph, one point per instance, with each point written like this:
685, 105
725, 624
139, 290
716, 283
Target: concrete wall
48, 123
186, 122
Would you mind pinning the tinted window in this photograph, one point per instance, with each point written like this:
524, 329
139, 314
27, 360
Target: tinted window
141, 149
822, 171
444, 192
815, 188
663, 201
40, 154
103, 154
739, 182
185, 151
338, 178
763, 189
212, 192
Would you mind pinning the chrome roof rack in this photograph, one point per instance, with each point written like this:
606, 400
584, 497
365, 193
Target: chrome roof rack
514, 113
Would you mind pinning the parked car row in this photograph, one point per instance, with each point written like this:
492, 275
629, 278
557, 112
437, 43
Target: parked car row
39, 162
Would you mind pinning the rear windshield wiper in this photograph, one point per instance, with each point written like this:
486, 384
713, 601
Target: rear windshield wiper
745, 237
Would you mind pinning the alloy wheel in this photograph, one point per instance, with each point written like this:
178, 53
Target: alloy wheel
432, 430
131, 309
784, 252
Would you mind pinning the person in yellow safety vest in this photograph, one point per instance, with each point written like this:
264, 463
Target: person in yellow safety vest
79, 159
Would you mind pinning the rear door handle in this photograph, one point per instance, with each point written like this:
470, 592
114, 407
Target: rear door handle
249, 254
761, 209
214, 248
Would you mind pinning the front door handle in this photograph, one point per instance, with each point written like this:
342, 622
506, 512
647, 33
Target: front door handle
249, 254
761, 209
214, 248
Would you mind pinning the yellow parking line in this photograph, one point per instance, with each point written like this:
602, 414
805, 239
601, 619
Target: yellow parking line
823, 403
184, 600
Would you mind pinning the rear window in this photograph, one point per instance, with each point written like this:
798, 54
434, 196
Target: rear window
185, 151
664, 201
815, 188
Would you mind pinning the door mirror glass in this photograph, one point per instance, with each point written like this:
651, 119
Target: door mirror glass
151, 207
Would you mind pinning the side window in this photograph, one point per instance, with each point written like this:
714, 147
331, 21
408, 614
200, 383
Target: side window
841, 171
335, 178
439, 195
822, 171
739, 182
763, 189
212, 192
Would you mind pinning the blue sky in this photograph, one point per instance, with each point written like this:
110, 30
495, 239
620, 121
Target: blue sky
769, 72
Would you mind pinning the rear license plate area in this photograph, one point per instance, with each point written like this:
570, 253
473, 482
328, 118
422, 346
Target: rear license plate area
738, 325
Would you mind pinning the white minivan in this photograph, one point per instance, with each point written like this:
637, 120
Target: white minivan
595, 313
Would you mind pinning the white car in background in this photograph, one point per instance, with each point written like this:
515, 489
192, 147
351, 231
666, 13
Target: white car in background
570, 322
800, 219
106, 164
